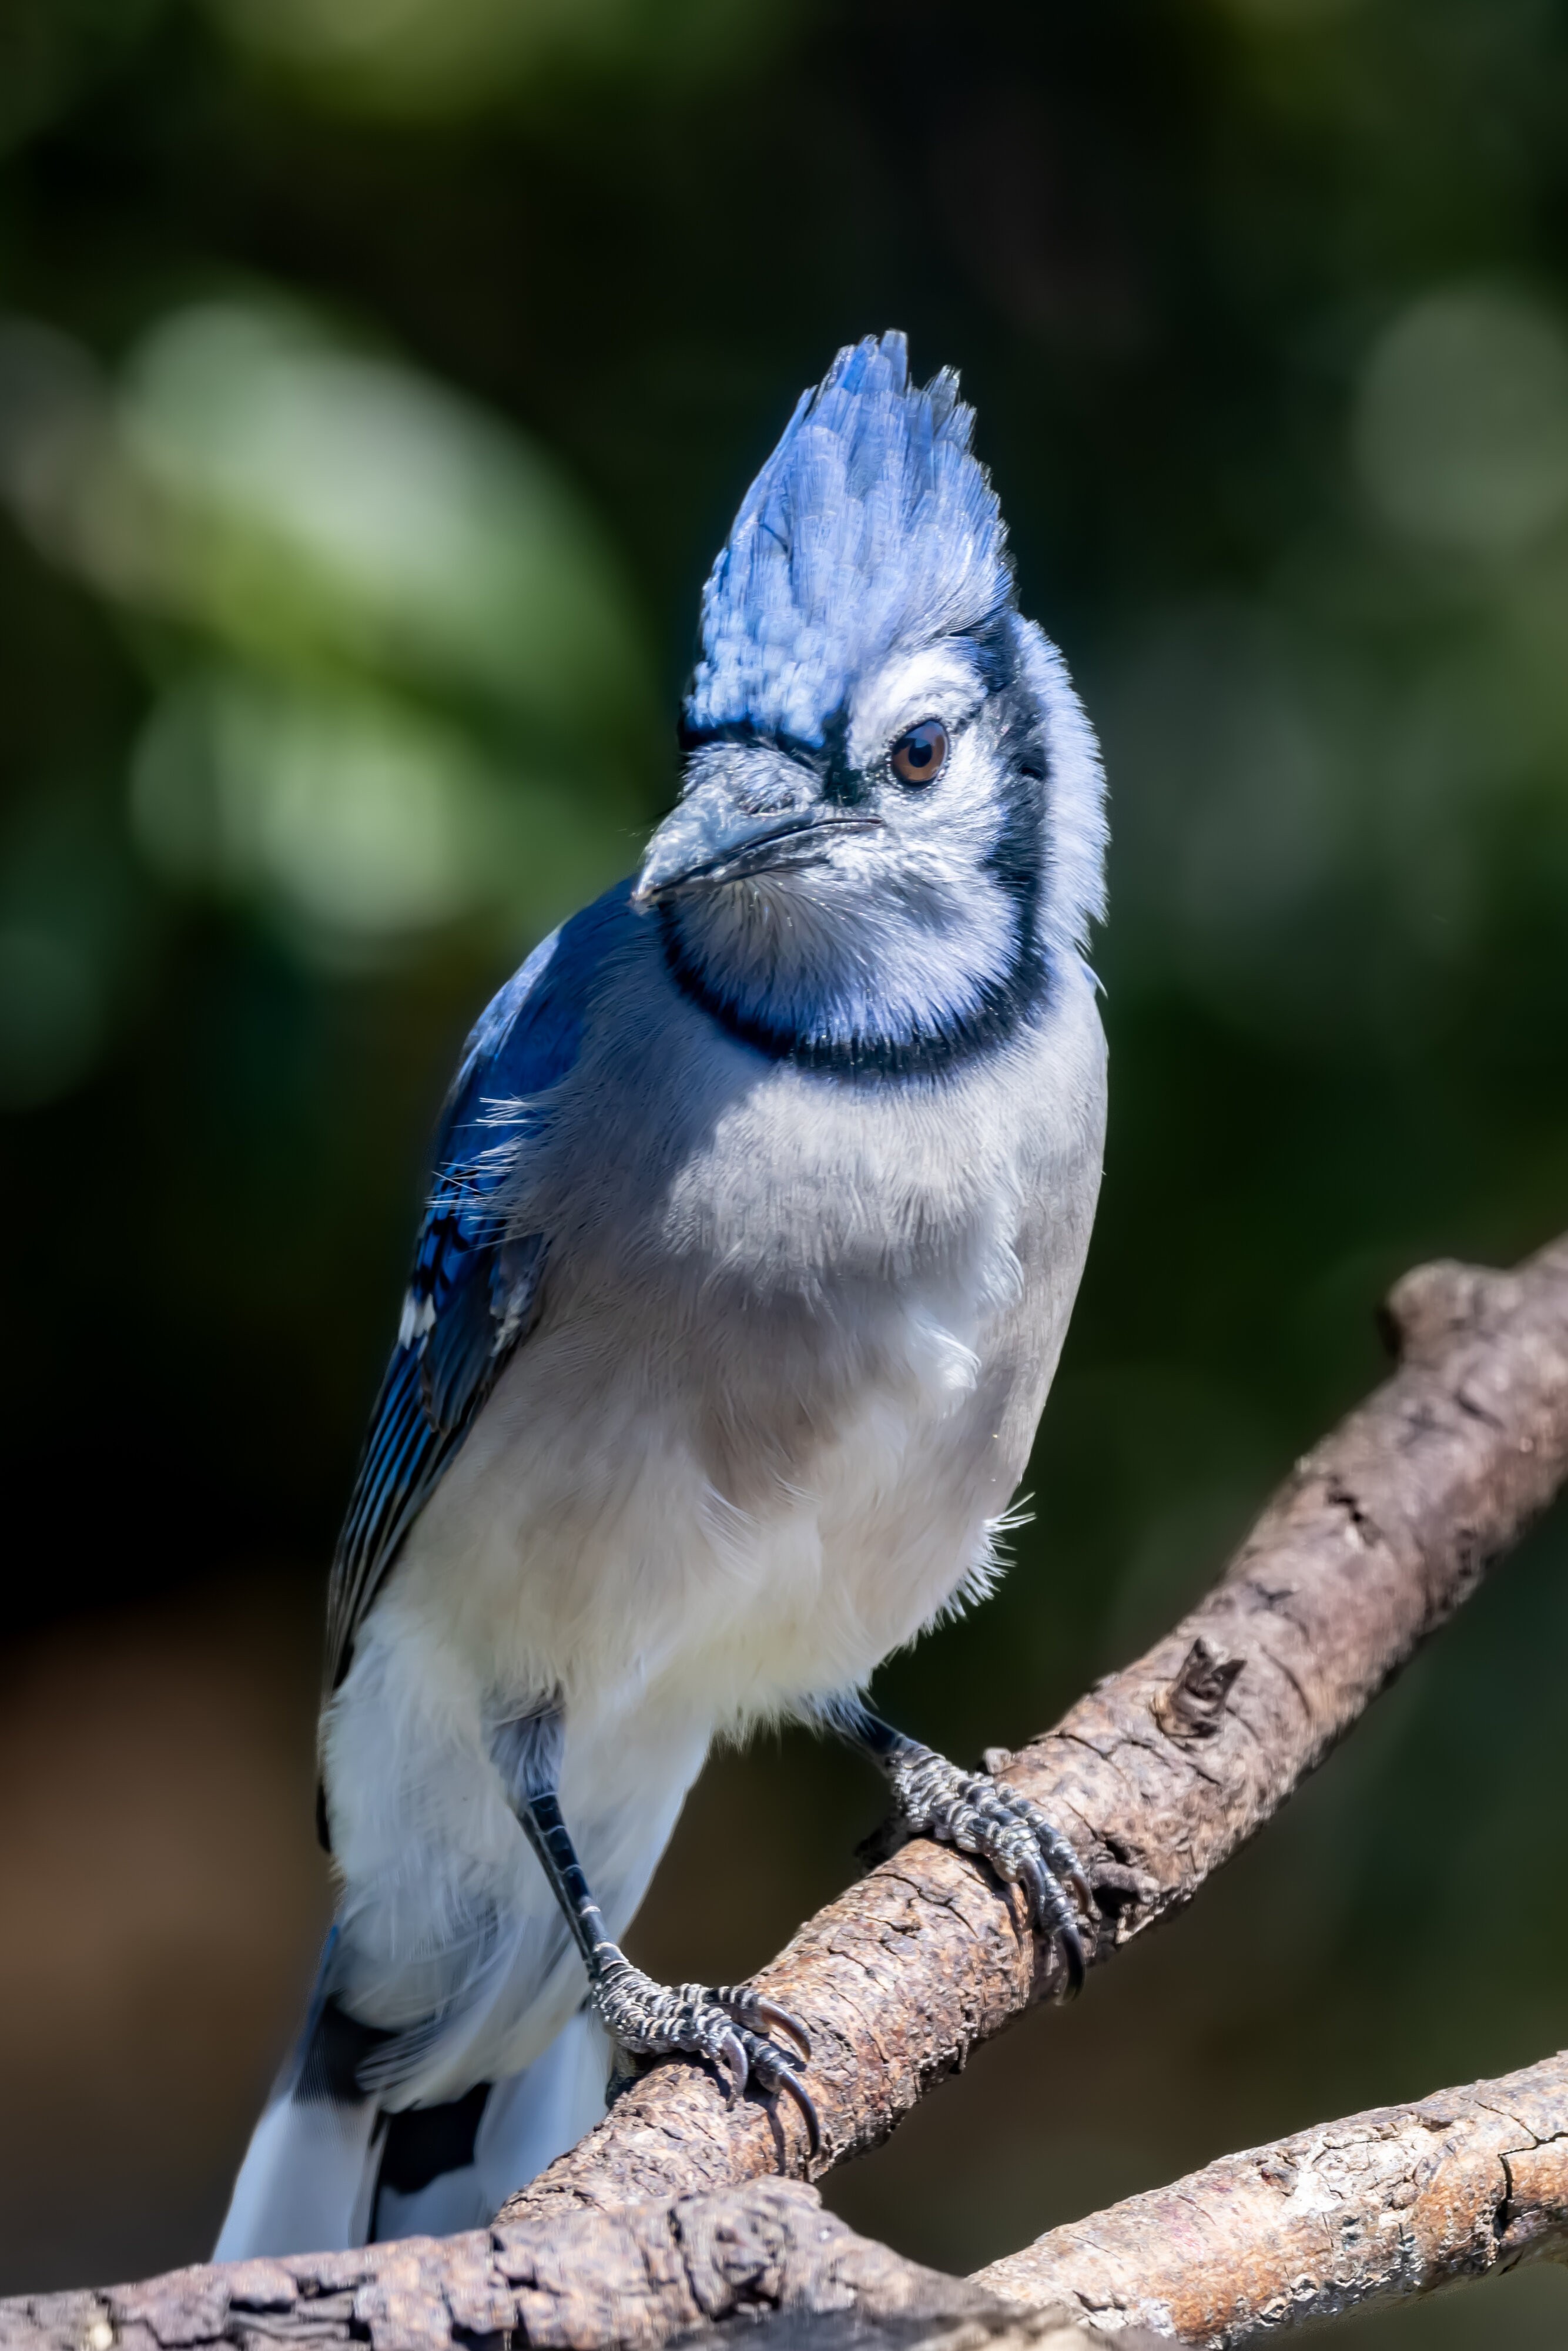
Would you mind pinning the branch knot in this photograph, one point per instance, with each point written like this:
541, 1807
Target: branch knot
1193, 1705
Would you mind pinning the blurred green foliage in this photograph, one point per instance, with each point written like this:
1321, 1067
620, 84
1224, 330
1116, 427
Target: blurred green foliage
377, 378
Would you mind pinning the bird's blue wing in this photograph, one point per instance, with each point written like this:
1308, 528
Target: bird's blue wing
472, 1291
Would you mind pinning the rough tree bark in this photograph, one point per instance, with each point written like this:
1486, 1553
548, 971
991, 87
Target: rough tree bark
1376, 1537
695, 2268
1372, 2210
1158, 1775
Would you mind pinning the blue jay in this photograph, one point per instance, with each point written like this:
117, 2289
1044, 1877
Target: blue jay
761, 1197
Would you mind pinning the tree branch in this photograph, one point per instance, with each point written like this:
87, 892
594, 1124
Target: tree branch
1372, 2210
1157, 1776
714, 2264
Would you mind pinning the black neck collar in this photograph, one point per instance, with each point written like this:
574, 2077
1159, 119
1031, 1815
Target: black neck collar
1000, 1006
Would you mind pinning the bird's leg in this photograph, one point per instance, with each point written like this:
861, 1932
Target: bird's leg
727, 2025
730, 2025
981, 1816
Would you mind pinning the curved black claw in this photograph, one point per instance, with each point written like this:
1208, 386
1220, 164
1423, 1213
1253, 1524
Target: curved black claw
773, 2075
789, 2080
762, 2061
762, 2015
744, 2056
734, 2062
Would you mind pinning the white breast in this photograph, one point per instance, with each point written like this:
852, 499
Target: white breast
590, 1541
769, 1418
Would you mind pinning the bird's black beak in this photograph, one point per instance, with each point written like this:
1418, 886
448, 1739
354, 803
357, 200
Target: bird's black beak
691, 851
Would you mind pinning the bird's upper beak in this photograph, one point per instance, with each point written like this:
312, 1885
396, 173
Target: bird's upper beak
706, 841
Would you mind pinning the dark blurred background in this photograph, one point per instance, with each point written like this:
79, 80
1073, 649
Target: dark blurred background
377, 378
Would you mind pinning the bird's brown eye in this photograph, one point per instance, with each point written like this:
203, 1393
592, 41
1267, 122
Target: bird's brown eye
919, 756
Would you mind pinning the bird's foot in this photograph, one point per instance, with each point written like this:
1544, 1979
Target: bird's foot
985, 1817
728, 2025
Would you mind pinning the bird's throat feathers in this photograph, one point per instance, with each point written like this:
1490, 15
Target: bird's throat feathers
891, 958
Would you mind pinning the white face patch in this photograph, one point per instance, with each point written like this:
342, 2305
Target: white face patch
940, 681
884, 917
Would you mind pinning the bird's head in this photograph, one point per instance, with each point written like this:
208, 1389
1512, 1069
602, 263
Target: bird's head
889, 838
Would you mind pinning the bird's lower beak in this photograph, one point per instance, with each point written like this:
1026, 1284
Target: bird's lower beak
686, 854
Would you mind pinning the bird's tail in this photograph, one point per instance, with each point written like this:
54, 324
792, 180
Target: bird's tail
328, 2167
309, 2180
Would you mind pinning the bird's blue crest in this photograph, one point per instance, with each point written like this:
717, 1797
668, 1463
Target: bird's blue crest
871, 527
